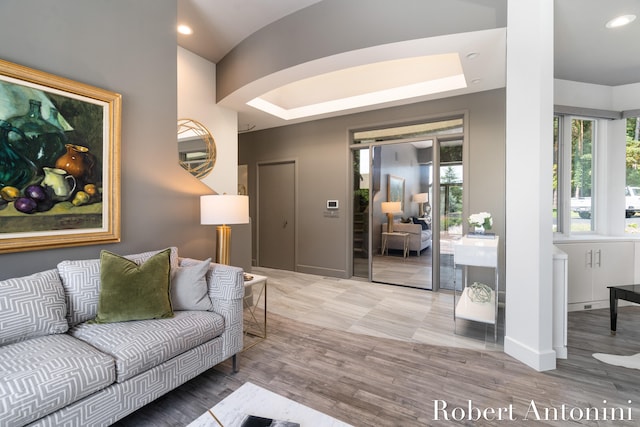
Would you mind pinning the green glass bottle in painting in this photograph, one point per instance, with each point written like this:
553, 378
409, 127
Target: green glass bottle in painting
15, 169
54, 115
44, 143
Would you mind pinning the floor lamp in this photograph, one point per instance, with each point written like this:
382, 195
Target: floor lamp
220, 210
391, 208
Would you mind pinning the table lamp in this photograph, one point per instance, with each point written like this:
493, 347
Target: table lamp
223, 209
421, 199
391, 208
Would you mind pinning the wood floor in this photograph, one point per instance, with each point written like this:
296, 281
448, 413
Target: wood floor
370, 380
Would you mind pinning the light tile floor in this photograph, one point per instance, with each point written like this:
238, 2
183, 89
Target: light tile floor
407, 314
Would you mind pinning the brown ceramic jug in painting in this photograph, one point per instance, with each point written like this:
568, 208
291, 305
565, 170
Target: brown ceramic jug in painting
76, 161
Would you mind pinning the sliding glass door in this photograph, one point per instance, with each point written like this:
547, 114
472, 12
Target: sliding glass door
400, 228
399, 200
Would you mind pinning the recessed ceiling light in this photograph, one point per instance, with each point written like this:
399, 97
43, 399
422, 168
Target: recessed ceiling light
620, 21
185, 29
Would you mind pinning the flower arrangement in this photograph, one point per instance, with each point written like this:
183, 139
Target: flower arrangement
482, 219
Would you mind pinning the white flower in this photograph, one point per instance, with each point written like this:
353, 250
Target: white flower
482, 219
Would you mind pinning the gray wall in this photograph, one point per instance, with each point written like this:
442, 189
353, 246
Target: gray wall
127, 47
324, 170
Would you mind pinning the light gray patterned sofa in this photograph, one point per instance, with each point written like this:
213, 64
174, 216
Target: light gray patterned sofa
59, 369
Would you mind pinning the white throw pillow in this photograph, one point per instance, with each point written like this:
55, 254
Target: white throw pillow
189, 289
32, 306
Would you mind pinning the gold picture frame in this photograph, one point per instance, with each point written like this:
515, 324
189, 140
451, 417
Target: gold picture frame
59, 161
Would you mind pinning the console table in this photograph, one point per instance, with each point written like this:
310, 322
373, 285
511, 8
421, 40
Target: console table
477, 252
627, 293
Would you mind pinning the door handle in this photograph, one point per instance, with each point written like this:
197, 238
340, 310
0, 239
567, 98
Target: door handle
589, 259
598, 257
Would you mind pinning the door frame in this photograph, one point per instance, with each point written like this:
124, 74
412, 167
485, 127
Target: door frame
294, 161
435, 217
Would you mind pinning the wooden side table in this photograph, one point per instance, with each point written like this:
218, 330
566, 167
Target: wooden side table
405, 242
255, 299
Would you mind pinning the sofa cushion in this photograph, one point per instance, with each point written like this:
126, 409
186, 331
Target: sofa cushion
189, 290
134, 292
81, 282
423, 224
140, 345
41, 375
32, 306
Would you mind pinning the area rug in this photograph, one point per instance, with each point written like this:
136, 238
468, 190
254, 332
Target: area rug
632, 362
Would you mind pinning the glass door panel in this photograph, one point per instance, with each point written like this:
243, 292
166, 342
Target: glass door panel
361, 241
401, 237
450, 188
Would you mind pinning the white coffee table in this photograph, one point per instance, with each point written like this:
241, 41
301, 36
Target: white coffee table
251, 399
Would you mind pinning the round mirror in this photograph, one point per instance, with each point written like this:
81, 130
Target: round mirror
196, 148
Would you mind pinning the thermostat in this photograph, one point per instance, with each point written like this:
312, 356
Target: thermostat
332, 204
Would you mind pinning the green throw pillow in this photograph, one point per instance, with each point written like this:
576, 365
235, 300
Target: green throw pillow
130, 291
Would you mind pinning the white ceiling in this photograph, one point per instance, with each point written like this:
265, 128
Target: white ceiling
584, 50
219, 25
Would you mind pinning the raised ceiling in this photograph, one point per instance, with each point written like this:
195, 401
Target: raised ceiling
584, 50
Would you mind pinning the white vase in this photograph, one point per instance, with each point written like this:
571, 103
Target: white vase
479, 229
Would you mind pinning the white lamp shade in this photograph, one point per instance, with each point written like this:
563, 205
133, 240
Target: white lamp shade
224, 209
391, 207
421, 198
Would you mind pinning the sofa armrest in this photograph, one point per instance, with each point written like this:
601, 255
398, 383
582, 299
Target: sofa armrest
226, 290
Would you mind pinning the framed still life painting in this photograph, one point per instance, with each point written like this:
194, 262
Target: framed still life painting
59, 161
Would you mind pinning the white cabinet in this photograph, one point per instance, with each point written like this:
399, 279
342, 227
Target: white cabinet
592, 267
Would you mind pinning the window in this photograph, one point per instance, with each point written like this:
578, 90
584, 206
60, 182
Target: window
632, 188
582, 136
574, 174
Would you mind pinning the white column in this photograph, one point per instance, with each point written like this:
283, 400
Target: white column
529, 238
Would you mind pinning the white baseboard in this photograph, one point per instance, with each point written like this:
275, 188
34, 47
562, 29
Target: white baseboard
540, 361
594, 305
321, 271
